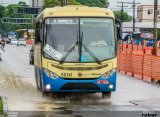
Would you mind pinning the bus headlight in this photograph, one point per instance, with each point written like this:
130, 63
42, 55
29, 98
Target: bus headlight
48, 87
111, 86
108, 74
50, 74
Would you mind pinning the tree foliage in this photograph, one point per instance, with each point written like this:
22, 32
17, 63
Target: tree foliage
52, 3
158, 34
95, 3
125, 15
11, 11
2, 10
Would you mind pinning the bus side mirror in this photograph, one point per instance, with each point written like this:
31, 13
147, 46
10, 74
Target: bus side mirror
41, 30
39, 26
118, 29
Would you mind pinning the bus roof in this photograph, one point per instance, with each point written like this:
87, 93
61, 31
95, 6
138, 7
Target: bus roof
75, 11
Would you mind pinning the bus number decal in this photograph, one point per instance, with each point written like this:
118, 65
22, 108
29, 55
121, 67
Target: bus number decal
66, 74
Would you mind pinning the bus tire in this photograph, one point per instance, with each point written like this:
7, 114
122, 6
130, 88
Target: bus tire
40, 81
35, 73
44, 94
106, 95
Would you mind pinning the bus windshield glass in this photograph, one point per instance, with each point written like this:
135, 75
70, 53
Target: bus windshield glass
79, 39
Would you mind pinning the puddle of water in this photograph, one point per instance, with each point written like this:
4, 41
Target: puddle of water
81, 99
48, 106
16, 83
22, 91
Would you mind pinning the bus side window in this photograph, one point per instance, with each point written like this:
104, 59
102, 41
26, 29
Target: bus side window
39, 34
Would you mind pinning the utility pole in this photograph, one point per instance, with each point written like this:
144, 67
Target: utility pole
122, 9
33, 3
37, 3
155, 26
64, 2
134, 8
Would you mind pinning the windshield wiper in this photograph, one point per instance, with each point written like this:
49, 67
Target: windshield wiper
68, 53
80, 44
88, 51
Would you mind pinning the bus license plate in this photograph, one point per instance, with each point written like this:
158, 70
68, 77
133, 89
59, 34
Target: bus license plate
102, 82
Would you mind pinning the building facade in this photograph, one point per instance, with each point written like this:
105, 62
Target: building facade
37, 3
145, 13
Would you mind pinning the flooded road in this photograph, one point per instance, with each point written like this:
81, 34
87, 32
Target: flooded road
17, 84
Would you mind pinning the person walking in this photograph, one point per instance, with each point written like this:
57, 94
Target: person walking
1, 48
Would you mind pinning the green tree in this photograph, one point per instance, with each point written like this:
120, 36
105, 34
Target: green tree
53, 3
21, 3
11, 11
1, 106
158, 33
126, 17
2, 10
95, 3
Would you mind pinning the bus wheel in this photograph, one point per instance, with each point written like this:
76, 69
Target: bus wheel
35, 73
47, 94
44, 94
106, 95
41, 83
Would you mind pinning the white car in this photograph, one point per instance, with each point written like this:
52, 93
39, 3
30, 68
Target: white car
21, 41
13, 41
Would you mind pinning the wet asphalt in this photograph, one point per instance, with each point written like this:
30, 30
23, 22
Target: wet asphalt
132, 98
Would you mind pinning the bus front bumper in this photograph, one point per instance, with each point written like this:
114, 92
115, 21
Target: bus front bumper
78, 85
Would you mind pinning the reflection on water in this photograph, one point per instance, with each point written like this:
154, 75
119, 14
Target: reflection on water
23, 95
48, 106
78, 98
16, 84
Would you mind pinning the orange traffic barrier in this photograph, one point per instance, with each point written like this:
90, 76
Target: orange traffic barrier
158, 52
140, 63
156, 67
147, 68
137, 64
121, 62
129, 64
132, 47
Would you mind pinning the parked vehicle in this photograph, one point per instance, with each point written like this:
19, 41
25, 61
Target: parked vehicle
14, 42
31, 56
8, 41
21, 41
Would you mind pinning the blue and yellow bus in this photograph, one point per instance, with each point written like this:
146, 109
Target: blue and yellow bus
75, 50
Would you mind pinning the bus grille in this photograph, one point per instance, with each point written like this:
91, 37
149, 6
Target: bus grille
80, 86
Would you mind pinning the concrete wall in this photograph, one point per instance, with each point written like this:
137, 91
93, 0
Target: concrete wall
37, 3
146, 13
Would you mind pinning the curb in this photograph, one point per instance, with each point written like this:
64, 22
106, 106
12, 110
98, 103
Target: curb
5, 107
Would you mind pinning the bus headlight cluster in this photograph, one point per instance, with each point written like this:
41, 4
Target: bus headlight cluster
111, 86
50, 74
108, 74
48, 87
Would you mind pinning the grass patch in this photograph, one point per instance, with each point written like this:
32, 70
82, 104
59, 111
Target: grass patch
1, 106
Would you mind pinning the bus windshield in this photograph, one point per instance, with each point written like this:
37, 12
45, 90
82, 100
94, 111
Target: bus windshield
79, 38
